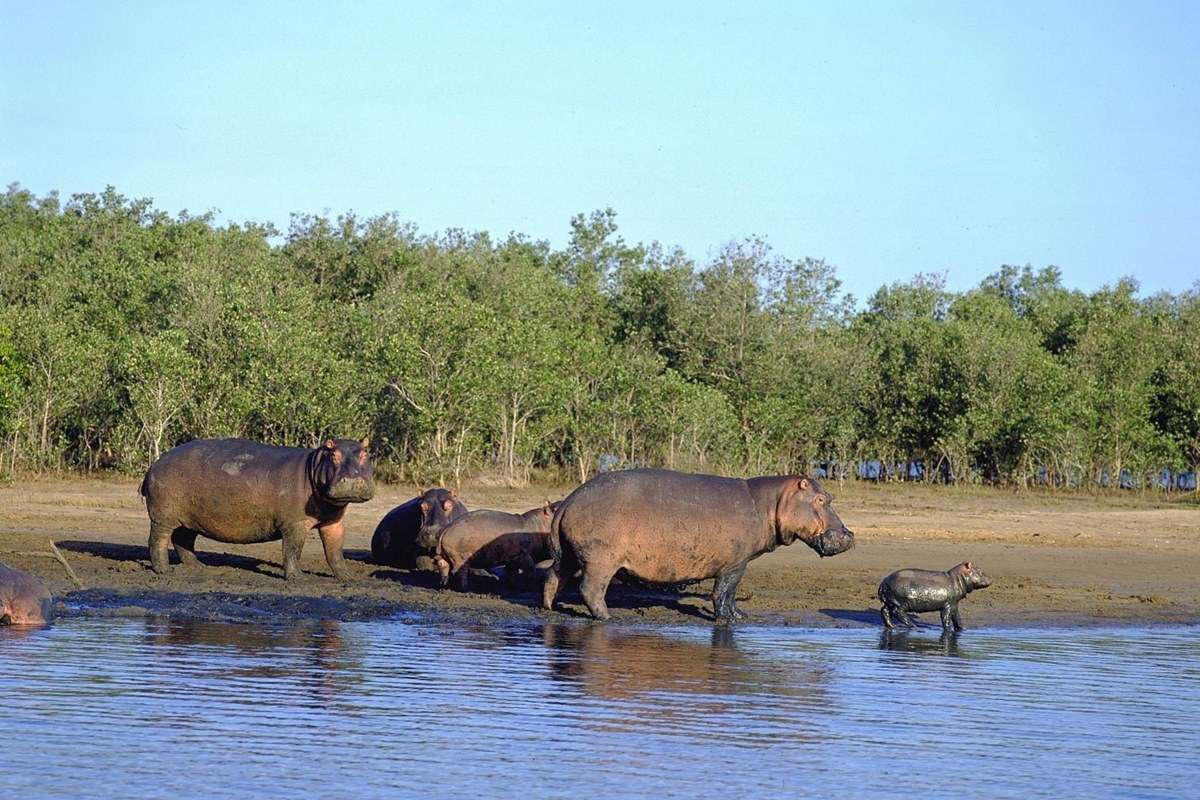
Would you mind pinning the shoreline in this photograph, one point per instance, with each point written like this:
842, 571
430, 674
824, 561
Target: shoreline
279, 609
1062, 561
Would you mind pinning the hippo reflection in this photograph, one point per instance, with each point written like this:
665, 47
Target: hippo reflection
904, 642
616, 664
312, 652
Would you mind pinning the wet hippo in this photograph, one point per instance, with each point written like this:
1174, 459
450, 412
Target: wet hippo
407, 536
23, 598
486, 539
243, 492
914, 590
672, 527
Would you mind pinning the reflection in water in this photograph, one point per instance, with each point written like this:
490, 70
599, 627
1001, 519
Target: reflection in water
907, 642
310, 653
709, 682
613, 663
181, 709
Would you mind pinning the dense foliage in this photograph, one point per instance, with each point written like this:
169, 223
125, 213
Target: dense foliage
124, 330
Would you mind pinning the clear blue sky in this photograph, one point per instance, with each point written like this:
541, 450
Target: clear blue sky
889, 138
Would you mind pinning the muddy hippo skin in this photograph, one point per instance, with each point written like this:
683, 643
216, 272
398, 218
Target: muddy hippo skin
915, 590
672, 527
23, 598
485, 539
407, 536
243, 492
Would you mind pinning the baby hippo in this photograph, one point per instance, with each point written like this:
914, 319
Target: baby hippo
486, 539
915, 590
23, 599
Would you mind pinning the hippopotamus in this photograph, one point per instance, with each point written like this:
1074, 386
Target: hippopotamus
243, 492
673, 527
23, 598
407, 536
915, 590
485, 539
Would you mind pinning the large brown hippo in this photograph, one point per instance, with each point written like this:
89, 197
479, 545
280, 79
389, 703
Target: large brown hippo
407, 536
672, 527
23, 598
485, 539
242, 492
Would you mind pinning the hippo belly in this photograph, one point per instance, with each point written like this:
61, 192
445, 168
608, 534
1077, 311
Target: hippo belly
918, 590
663, 527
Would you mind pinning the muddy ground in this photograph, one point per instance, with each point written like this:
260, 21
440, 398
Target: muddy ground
1055, 558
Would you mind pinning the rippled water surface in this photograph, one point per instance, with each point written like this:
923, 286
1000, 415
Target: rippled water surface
160, 707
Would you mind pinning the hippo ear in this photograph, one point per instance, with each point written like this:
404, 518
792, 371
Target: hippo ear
968, 565
548, 509
447, 505
425, 506
805, 484
330, 445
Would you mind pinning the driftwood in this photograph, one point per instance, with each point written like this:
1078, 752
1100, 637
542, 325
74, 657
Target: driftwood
57, 555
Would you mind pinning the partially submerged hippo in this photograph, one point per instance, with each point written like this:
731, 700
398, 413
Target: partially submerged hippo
916, 590
407, 536
242, 492
672, 527
23, 598
486, 539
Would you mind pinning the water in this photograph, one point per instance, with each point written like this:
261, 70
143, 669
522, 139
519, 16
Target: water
157, 707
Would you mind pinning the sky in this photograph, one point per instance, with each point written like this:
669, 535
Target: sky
887, 138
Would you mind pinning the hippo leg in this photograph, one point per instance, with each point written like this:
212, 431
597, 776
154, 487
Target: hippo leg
443, 568
464, 577
955, 618
904, 617
594, 587
551, 586
184, 542
947, 611
725, 594
160, 536
332, 537
886, 616
293, 547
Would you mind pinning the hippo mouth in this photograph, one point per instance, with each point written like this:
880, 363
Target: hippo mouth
352, 490
832, 542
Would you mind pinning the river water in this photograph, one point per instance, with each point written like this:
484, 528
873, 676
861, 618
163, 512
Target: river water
162, 707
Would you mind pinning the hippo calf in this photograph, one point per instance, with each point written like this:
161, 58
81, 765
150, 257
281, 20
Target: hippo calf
407, 536
243, 492
915, 590
674, 527
486, 539
23, 598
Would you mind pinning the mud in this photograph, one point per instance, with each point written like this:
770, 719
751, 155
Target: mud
1056, 559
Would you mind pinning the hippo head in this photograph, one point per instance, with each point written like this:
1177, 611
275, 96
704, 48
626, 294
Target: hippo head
540, 517
970, 576
342, 471
806, 513
439, 507
26, 608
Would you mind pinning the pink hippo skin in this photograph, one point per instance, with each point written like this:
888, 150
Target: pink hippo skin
23, 598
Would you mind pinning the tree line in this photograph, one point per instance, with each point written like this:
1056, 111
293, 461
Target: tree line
125, 330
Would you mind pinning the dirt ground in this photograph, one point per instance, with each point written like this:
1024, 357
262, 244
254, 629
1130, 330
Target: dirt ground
1055, 559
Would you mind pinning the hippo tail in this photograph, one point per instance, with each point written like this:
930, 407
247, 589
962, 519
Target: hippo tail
144, 487
565, 563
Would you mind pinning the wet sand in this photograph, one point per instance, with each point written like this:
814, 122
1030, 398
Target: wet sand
1056, 559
